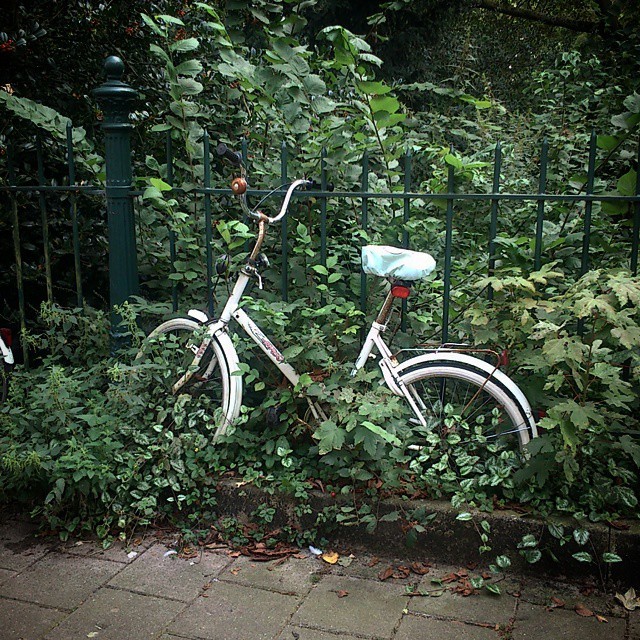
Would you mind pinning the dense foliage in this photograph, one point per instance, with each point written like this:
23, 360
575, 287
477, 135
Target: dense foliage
98, 443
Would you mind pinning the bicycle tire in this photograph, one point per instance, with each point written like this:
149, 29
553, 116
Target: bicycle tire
486, 408
171, 346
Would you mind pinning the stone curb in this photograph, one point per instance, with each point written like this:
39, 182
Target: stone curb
446, 539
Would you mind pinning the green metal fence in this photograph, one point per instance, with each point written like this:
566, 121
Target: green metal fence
116, 99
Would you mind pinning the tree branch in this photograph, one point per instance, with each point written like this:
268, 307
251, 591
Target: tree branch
583, 26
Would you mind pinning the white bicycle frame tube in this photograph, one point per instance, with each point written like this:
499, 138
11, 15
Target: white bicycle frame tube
7, 354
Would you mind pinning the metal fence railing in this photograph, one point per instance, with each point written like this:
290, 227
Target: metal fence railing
116, 99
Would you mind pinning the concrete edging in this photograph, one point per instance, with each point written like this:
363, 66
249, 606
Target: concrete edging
448, 540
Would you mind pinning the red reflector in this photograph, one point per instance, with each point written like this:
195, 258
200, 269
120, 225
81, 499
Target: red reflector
399, 291
6, 336
504, 359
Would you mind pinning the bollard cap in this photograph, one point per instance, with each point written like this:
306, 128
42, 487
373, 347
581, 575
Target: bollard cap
115, 97
114, 69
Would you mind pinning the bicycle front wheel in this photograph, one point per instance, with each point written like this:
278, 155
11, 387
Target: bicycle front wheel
167, 355
465, 406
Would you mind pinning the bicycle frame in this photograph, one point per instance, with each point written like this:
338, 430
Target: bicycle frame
6, 353
396, 375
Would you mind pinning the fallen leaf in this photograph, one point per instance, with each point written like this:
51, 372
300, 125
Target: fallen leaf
435, 593
234, 554
401, 572
385, 573
601, 618
373, 562
557, 602
581, 610
234, 572
342, 593
420, 568
300, 556
330, 557
629, 600
450, 577
345, 561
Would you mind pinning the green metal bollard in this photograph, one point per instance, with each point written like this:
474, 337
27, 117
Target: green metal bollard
116, 99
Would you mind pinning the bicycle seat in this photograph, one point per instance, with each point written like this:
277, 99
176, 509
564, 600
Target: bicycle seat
392, 262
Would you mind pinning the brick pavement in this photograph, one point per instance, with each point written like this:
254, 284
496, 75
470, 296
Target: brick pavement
66, 591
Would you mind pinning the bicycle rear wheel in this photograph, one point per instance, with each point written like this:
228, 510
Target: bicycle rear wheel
466, 407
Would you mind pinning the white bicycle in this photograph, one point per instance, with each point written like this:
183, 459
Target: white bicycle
442, 387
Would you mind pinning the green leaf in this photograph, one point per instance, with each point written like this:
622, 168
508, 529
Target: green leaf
627, 183
379, 431
330, 436
453, 161
464, 516
531, 555
504, 562
581, 536
161, 185
170, 20
582, 556
609, 557
493, 588
154, 48
189, 68
373, 88
182, 46
190, 87
152, 25
384, 103
608, 143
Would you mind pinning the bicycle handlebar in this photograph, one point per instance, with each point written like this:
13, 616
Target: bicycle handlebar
232, 156
235, 158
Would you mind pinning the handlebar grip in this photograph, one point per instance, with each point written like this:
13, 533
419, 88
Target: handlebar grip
232, 156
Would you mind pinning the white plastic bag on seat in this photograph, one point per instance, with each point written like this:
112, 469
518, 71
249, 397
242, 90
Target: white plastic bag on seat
393, 262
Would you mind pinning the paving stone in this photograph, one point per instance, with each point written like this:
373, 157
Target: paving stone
293, 576
117, 552
300, 633
157, 574
112, 614
26, 621
235, 612
370, 608
19, 546
370, 567
59, 581
421, 628
5, 574
481, 608
533, 622
541, 593
634, 625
